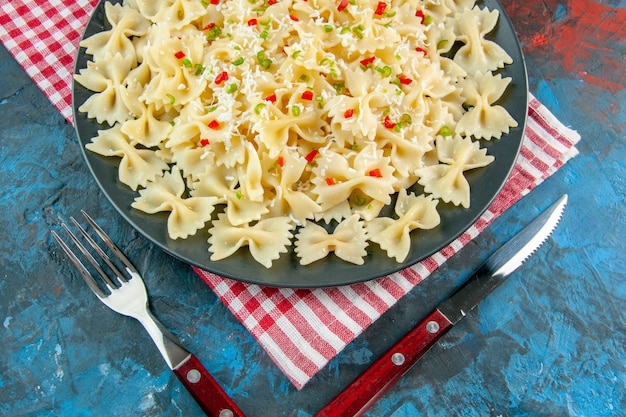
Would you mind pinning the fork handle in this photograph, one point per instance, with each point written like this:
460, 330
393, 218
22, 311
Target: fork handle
211, 397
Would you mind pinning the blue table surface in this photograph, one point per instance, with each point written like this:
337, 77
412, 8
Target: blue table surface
550, 342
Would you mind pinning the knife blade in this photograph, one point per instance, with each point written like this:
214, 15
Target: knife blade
368, 387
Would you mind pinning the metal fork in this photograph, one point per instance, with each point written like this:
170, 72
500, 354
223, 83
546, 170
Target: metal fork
126, 294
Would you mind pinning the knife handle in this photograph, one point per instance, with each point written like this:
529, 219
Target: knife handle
368, 387
211, 397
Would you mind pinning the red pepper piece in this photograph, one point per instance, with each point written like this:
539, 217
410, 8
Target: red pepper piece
179, 55
221, 78
271, 98
252, 22
404, 79
367, 61
307, 95
389, 124
294, 18
311, 155
348, 113
342, 5
271, 2
421, 15
214, 2
330, 180
214, 124
204, 142
380, 8
422, 50
280, 161
376, 173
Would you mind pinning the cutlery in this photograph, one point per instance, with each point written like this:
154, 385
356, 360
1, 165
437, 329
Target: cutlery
126, 294
367, 388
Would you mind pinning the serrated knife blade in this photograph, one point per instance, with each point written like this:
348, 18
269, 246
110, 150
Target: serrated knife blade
367, 388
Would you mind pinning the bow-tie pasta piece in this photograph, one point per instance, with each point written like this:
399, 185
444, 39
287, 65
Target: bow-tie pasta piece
478, 53
484, 119
393, 235
108, 103
126, 23
177, 13
187, 215
147, 130
221, 182
266, 239
137, 167
447, 181
348, 241
284, 176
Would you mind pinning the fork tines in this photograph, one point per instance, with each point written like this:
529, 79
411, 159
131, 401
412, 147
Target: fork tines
84, 271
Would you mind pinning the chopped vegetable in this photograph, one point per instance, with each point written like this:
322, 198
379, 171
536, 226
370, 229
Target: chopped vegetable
380, 8
199, 69
214, 124
422, 50
311, 155
294, 18
367, 61
238, 61
376, 173
259, 107
252, 22
221, 78
342, 5
359, 200
384, 71
389, 124
307, 95
445, 131
404, 79
330, 180
328, 28
295, 110
280, 162
171, 98
421, 15
231, 88
204, 142
214, 32
271, 98
179, 55
266, 63
348, 113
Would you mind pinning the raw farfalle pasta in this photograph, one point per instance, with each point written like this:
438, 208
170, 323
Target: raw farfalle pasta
266, 239
446, 180
484, 120
255, 119
414, 212
348, 241
138, 166
186, 215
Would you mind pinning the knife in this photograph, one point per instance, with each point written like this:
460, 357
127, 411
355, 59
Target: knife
367, 388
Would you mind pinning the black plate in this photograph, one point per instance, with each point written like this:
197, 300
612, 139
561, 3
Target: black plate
287, 272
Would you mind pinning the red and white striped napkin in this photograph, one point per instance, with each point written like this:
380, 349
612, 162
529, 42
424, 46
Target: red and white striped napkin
300, 329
